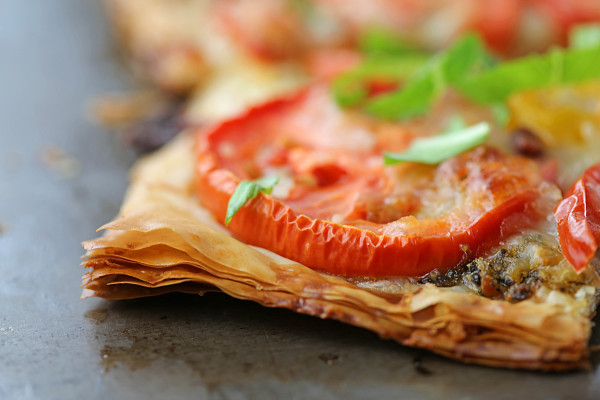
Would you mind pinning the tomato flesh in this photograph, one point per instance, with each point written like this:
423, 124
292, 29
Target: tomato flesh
344, 212
578, 219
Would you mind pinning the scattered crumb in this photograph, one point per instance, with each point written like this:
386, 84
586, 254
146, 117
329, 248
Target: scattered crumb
143, 120
98, 315
2, 228
420, 368
119, 110
329, 358
60, 162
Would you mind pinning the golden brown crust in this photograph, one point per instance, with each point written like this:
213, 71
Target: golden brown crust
164, 241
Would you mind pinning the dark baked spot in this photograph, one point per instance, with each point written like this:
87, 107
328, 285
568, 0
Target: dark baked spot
513, 273
527, 143
152, 132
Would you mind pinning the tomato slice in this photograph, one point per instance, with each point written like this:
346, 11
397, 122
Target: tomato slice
344, 212
578, 219
564, 14
497, 20
329, 63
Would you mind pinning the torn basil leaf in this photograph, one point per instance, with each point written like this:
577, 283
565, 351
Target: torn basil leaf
456, 123
467, 67
248, 190
435, 149
555, 67
381, 41
352, 87
444, 69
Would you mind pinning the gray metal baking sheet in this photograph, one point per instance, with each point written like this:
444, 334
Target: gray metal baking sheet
61, 177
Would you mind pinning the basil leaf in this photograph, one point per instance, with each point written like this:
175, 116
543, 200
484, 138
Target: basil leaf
380, 41
435, 149
497, 84
553, 68
414, 99
584, 36
463, 57
456, 123
581, 65
469, 68
387, 58
419, 93
351, 88
248, 190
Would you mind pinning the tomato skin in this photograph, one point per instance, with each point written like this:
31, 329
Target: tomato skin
350, 251
329, 63
496, 20
564, 14
578, 219
307, 232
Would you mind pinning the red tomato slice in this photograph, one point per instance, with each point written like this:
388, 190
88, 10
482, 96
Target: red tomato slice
564, 14
497, 21
344, 212
578, 219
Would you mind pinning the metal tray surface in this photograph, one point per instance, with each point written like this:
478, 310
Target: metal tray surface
61, 177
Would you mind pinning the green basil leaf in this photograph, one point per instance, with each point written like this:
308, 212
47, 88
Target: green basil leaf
495, 85
419, 93
536, 71
248, 190
581, 65
435, 149
584, 36
351, 88
381, 41
414, 99
469, 68
465, 55
456, 123
387, 58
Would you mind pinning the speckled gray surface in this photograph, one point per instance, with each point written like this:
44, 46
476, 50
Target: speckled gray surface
55, 56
